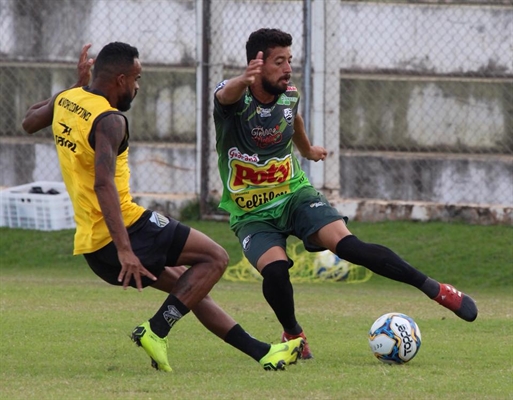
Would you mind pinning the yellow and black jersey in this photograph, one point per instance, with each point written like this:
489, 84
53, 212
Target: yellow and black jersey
76, 113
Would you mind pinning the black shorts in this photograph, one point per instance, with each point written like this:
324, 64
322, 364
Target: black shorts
156, 240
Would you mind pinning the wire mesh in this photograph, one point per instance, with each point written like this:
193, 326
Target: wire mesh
413, 100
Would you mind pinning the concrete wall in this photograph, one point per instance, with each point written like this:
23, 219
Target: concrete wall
432, 177
417, 113
171, 169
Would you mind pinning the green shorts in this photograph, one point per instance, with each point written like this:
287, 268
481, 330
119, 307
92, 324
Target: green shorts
305, 213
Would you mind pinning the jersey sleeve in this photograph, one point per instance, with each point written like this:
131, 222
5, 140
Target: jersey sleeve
223, 110
293, 93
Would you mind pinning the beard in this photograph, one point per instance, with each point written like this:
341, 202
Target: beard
125, 102
273, 89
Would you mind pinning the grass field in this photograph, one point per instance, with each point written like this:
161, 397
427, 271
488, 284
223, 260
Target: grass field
64, 332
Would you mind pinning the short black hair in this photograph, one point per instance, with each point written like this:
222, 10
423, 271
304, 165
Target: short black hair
115, 58
265, 39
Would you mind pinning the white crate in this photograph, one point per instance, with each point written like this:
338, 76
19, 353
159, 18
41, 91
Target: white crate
44, 212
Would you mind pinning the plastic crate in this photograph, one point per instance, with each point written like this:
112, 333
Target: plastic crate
21, 207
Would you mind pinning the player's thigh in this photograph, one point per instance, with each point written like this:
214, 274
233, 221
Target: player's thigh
329, 235
262, 243
199, 248
317, 223
275, 253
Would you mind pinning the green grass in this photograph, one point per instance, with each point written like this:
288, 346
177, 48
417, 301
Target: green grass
64, 332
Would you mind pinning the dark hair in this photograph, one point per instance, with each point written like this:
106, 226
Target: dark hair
265, 39
115, 58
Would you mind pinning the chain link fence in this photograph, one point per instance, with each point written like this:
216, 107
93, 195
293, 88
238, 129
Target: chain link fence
413, 100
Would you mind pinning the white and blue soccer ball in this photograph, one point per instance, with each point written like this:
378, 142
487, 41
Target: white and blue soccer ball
330, 266
394, 338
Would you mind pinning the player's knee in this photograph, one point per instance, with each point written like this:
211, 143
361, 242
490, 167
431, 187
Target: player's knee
220, 259
277, 270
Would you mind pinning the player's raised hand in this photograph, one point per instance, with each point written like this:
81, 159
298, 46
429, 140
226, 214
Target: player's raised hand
253, 69
84, 66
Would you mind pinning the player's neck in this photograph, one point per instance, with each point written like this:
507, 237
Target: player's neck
261, 95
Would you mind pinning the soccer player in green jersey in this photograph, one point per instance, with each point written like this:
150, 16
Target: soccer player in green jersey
269, 196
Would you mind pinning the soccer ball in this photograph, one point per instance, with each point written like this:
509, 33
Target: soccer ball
394, 338
330, 266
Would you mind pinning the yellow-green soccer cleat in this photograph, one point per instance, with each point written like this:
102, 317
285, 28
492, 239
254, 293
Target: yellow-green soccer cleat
155, 346
282, 354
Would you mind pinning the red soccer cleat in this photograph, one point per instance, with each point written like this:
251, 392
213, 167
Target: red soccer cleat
306, 353
458, 302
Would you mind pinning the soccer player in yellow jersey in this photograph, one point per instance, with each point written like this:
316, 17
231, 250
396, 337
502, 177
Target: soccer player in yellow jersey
124, 243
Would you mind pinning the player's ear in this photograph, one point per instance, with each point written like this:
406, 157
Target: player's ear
121, 79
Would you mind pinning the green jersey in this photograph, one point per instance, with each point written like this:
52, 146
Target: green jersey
256, 161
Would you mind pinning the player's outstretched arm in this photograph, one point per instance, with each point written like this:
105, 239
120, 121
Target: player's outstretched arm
234, 88
40, 114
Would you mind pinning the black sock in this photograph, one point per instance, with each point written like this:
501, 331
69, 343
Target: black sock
167, 315
296, 330
279, 294
384, 262
431, 288
243, 341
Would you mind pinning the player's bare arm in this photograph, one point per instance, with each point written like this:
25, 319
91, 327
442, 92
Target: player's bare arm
235, 87
302, 143
110, 132
40, 114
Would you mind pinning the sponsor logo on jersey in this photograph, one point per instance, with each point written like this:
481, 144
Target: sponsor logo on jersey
264, 112
272, 173
285, 100
288, 115
74, 108
264, 137
234, 152
252, 184
66, 130
65, 143
254, 198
